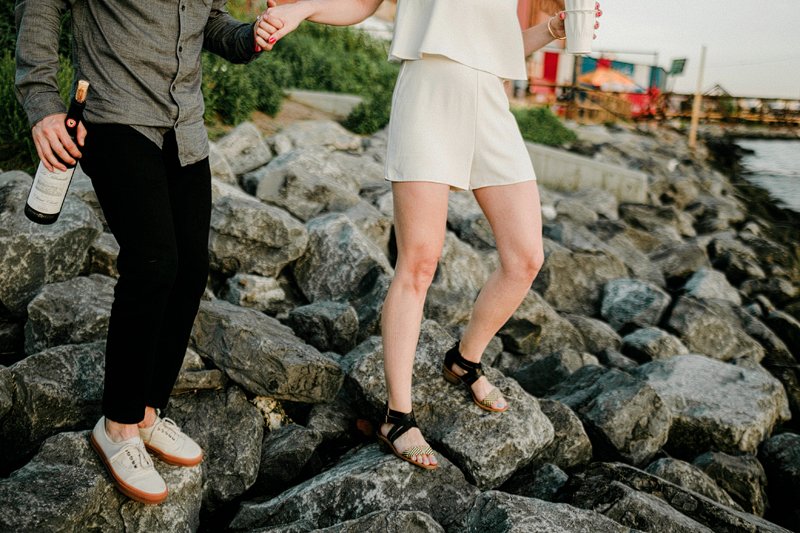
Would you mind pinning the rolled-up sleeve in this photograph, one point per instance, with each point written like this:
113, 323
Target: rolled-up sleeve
38, 25
228, 37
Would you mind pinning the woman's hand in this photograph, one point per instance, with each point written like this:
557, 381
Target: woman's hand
556, 23
276, 22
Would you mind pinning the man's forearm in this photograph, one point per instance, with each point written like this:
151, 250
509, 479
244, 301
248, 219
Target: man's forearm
38, 25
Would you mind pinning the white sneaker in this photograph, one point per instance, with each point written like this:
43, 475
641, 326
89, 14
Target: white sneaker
166, 440
130, 465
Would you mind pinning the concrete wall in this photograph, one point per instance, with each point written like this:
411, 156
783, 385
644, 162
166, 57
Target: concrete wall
564, 171
338, 104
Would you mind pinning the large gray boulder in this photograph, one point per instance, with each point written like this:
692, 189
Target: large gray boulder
641, 500
461, 273
498, 512
339, 260
648, 344
614, 236
543, 482
373, 224
315, 133
488, 447
631, 303
306, 182
623, 415
250, 237
6, 391
102, 256
383, 521
691, 477
66, 488
466, 219
536, 328
704, 329
709, 283
546, 371
573, 282
366, 481
326, 325
261, 293
571, 448
741, 476
787, 328
262, 355
780, 455
56, 390
288, 456
679, 261
737, 260
32, 255
230, 430
70, 312
597, 335
243, 149
716, 405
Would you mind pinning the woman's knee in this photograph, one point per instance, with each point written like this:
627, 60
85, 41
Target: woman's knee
525, 265
417, 270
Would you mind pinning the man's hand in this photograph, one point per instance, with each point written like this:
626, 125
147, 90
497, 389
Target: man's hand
53, 143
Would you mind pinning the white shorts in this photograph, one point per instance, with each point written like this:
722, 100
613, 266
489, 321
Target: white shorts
451, 124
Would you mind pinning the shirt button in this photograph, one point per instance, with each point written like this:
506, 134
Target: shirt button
180, 49
183, 8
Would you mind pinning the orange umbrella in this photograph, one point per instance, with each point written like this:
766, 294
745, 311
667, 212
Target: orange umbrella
609, 80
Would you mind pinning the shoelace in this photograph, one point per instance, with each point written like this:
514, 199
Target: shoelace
169, 428
137, 455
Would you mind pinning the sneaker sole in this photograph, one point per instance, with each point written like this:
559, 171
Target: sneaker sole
172, 459
129, 491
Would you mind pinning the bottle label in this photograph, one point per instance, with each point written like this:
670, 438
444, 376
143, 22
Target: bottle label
49, 189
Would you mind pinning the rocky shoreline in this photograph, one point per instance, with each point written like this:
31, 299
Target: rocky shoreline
652, 369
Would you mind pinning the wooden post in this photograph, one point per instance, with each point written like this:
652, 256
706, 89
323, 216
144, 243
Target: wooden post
698, 100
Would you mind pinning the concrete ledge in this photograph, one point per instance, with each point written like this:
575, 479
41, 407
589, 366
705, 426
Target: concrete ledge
564, 171
338, 104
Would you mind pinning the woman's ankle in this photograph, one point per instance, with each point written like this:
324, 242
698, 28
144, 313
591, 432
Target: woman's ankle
119, 432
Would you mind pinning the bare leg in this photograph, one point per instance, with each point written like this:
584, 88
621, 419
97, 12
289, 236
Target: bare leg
119, 432
420, 219
514, 213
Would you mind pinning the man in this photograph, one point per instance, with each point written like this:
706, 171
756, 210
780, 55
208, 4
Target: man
145, 147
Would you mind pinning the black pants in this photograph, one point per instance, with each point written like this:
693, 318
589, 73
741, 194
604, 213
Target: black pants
159, 213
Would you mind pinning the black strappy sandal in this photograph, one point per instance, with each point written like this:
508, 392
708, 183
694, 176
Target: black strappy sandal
473, 371
402, 423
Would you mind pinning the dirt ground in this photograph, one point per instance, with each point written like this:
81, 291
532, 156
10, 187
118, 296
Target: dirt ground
290, 112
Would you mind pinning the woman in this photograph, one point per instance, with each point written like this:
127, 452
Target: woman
450, 127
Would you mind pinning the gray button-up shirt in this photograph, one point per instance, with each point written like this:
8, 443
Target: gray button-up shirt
141, 57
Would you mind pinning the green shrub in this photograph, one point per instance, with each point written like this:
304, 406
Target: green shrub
370, 115
17, 150
541, 126
269, 76
229, 92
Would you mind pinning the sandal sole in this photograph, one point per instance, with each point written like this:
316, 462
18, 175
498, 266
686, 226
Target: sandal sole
453, 378
385, 441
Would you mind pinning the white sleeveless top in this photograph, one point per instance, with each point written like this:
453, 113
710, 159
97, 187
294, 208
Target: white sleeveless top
482, 34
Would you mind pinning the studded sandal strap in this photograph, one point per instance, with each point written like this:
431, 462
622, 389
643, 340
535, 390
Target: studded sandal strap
418, 450
473, 371
402, 422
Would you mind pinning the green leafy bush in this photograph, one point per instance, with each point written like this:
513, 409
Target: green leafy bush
540, 125
229, 92
17, 150
269, 76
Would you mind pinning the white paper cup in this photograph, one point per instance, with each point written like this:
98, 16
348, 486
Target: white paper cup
579, 25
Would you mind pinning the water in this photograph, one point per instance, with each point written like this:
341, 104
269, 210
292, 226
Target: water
775, 166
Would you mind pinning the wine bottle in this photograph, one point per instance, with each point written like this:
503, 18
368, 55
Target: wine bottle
49, 189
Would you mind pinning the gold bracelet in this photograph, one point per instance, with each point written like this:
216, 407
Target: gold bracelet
551, 30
